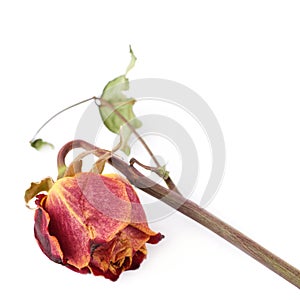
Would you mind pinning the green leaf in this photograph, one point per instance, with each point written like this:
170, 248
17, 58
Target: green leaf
118, 111
132, 62
39, 144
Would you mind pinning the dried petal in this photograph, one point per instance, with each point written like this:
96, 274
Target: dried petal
88, 223
49, 244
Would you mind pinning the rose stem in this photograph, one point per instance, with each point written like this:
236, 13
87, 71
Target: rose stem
169, 182
195, 212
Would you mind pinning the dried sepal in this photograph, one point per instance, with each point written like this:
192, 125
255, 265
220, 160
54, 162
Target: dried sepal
98, 166
74, 168
37, 187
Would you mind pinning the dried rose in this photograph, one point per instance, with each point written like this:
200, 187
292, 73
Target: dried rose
92, 223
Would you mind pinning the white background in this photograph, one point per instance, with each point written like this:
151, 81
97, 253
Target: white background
242, 57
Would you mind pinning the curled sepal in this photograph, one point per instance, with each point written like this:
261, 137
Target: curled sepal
37, 187
74, 168
98, 166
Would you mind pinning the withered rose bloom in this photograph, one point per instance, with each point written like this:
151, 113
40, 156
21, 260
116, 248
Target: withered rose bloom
93, 223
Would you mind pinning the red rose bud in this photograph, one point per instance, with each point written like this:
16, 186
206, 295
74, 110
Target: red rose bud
93, 224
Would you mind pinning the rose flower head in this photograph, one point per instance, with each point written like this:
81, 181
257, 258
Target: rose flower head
91, 223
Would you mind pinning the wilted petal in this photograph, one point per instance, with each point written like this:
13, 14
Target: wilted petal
69, 230
138, 216
138, 257
49, 244
89, 224
76, 206
84, 270
137, 238
98, 272
107, 195
114, 256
